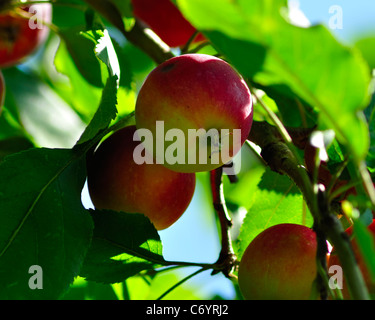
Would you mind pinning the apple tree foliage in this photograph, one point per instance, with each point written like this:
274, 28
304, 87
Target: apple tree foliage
83, 83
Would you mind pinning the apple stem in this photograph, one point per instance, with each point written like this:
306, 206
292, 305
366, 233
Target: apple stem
199, 47
186, 47
321, 261
227, 259
153, 46
181, 282
157, 50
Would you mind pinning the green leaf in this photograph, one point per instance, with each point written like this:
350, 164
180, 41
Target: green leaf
42, 222
81, 46
79, 94
243, 192
365, 241
88, 290
124, 7
12, 137
123, 245
367, 47
278, 200
265, 48
40, 112
67, 8
303, 114
126, 11
9, 125
152, 289
370, 116
106, 112
13, 145
105, 51
109, 11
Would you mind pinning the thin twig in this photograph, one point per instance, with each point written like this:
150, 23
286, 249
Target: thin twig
227, 257
181, 282
186, 47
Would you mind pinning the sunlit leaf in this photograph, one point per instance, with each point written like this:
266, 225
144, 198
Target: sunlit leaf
265, 48
277, 200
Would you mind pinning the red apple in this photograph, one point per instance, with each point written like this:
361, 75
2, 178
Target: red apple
334, 260
22, 32
194, 95
164, 18
279, 264
118, 183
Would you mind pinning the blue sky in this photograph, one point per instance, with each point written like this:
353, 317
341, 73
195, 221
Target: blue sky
358, 17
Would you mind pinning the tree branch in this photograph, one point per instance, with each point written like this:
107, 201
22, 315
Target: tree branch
148, 42
141, 37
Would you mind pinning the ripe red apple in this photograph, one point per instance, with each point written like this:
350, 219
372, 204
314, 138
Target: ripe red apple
117, 182
164, 18
194, 95
334, 260
279, 264
22, 32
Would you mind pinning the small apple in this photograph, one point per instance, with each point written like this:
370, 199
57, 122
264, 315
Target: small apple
117, 182
279, 264
164, 18
22, 31
334, 260
198, 110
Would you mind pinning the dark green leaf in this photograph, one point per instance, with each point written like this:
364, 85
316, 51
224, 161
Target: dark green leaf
123, 245
106, 112
365, 241
68, 8
42, 222
370, 116
82, 50
14, 145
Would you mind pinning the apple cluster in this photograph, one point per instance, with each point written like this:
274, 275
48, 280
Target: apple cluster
188, 92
